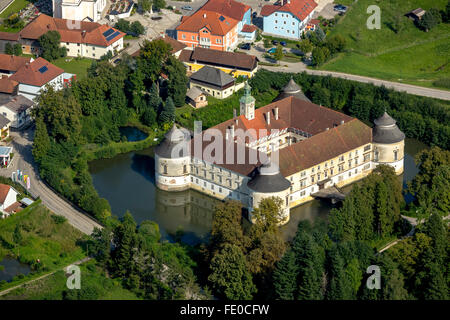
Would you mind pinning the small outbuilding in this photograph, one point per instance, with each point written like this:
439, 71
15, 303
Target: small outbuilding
196, 98
416, 14
214, 82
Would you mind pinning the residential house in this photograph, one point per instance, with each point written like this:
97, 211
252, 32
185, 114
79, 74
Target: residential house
35, 76
196, 98
81, 38
234, 63
208, 29
233, 9
8, 86
176, 45
8, 199
82, 10
289, 18
4, 132
17, 109
248, 32
214, 82
9, 64
8, 37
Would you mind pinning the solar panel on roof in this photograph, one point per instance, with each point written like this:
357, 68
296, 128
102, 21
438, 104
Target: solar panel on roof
115, 34
43, 69
108, 32
221, 18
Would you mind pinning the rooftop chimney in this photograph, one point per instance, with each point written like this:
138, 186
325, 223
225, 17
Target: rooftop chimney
268, 117
342, 121
276, 113
327, 129
204, 15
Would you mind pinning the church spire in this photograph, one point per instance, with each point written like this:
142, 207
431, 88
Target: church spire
247, 103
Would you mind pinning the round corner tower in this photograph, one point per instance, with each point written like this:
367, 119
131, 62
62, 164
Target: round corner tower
269, 182
388, 143
172, 161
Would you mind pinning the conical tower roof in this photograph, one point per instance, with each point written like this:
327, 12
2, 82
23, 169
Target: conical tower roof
174, 138
292, 89
268, 179
386, 130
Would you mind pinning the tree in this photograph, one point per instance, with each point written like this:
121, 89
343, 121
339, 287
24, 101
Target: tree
125, 242
136, 28
320, 55
41, 143
278, 55
285, 277
9, 48
50, 46
177, 82
336, 44
446, 13
159, 4
167, 114
145, 5
229, 276
123, 25
430, 19
17, 235
305, 46
17, 49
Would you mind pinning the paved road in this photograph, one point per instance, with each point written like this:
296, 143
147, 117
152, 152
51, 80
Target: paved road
2, 293
23, 160
301, 67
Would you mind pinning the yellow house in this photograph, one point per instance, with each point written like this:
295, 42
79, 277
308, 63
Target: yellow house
233, 63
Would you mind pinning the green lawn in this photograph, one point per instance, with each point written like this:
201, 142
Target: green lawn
409, 56
15, 7
54, 286
52, 242
78, 66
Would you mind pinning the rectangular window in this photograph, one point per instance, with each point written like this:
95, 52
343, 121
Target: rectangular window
366, 157
183, 36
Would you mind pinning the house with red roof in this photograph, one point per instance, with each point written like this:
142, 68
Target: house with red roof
81, 38
216, 25
35, 76
8, 200
288, 19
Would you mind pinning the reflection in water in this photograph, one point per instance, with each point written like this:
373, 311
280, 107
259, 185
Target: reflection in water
132, 133
11, 268
127, 181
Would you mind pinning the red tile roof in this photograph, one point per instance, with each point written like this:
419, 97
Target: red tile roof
314, 22
230, 8
210, 20
4, 189
248, 28
299, 8
9, 36
344, 134
70, 30
12, 63
7, 85
30, 74
13, 207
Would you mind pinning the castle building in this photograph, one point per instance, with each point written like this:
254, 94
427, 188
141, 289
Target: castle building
301, 148
82, 10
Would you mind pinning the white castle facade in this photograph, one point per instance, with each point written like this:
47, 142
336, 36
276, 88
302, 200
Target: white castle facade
306, 148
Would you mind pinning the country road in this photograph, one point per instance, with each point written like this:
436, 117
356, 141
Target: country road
23, 160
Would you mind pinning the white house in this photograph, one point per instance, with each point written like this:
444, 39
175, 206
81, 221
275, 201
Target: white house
8, 200
17, 109
35, 76
82, 10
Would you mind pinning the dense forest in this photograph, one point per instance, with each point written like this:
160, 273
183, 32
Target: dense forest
82, 122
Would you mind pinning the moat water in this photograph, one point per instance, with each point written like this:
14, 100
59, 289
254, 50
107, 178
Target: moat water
127, 181
9, 268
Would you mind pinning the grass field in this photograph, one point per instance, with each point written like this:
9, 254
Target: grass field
15, 7
54, 286
43, 237
409, 56
78, 66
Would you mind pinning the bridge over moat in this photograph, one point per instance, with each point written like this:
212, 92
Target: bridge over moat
332, 193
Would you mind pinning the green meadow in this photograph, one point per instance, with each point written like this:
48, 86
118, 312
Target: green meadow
399, 51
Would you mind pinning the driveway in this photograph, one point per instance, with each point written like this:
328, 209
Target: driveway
23, 160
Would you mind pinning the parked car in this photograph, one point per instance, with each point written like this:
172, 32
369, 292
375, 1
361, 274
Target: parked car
340, 8
188, 8
117, 60
283, 43
246, 46
274, 42
272, 50
254, 14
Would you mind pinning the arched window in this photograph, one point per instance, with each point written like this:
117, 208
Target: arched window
185, 169
165, 168
395, 155
376, 155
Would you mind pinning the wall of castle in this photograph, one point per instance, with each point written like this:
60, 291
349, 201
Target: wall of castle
391, 154
257, 197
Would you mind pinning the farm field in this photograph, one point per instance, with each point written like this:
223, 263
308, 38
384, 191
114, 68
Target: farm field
399, 51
